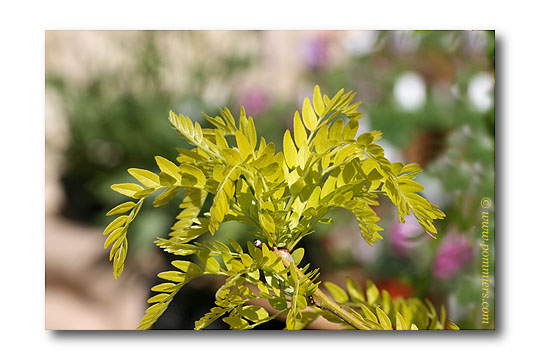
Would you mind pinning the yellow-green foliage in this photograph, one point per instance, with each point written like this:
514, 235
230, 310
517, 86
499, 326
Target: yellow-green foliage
380, 312
324, 165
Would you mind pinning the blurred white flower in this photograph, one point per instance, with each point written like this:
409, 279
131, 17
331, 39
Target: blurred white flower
360, 43
480, 91
410, 91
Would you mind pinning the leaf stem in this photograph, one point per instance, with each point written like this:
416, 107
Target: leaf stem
323, 301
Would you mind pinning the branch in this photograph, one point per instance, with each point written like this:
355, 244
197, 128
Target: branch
322, 300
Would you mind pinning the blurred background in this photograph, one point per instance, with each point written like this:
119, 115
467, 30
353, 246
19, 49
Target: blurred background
108, 94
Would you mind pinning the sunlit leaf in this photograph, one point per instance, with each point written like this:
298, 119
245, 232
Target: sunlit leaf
318, 100
338, 293
145, 177
289, 150
122, 208
168, 167
309, 116
127, 189
300, 135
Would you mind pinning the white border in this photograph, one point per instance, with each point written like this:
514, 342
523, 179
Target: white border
22, 148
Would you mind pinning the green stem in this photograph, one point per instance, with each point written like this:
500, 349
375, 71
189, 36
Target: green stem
323, 301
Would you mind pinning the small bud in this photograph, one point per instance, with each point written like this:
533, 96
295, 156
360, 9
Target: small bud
258, 243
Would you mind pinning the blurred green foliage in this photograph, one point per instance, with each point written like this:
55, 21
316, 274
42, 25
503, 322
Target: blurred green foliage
115, 121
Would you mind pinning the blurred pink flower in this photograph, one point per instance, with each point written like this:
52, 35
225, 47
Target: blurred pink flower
315, 52
255, 101
401, 235
452, 254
